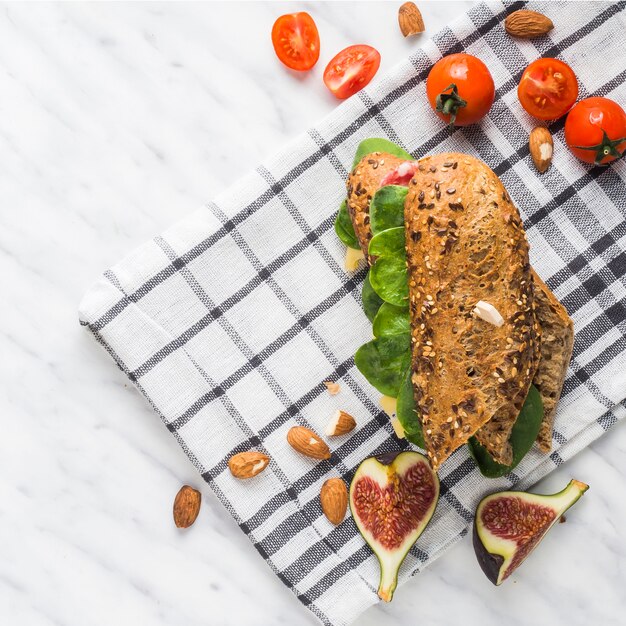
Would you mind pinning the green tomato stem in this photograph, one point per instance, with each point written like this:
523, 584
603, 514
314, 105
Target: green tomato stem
450, 103
607, 147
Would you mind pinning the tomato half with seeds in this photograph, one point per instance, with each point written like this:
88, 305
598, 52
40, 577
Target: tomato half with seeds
548, 89
595, 130
460, 89
351, 70
296, 41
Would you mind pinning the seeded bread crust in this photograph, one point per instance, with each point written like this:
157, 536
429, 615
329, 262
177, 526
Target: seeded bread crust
363, 182
495, 434
557, 343
465, 242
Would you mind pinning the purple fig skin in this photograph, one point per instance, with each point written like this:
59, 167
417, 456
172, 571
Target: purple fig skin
489, 563
530, 517
387, 458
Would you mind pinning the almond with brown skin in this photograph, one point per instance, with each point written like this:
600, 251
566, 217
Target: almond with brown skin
186, 506
306, 442
541, 148
527, 24
247, 464
410, 19
334, 500
340, 424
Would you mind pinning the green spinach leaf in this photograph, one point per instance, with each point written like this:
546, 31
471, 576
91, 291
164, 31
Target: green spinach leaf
389, 280
387, 208
384, 362
371, 300
522, 438
376, 144
344, 228
406, 412
388, 243
391, 320
389, 275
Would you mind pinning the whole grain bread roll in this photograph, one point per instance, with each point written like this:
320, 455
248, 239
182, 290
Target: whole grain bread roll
465, 243
551, 354
362, 184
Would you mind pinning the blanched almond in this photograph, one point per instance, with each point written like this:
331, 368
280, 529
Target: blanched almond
488, 313
333, 388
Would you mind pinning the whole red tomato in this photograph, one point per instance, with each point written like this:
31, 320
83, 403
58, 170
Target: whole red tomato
296, 41
595, 130
460, 89
548, 89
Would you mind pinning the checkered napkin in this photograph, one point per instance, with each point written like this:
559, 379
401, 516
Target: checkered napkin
230, 321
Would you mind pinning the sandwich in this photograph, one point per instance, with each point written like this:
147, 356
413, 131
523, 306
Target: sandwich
485, 343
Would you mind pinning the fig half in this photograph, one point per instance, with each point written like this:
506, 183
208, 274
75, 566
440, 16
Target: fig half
392, 498
510, 524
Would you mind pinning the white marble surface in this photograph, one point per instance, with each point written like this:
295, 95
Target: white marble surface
116, 120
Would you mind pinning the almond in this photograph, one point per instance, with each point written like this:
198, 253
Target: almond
334, 500
410, 19
527, 24
541, 148
186, 506
306, 442
340, 424
487, 312
333, 388
247, 464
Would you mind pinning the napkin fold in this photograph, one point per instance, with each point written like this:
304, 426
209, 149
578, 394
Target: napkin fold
230, 322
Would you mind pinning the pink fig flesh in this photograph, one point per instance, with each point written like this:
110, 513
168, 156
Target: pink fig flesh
510, 524
392, 499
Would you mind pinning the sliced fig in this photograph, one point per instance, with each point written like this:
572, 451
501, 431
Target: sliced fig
510, 524
392, 498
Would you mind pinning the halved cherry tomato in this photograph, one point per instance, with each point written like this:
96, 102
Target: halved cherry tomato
548, 89
460, 89
595, 130
296, 41
351, 69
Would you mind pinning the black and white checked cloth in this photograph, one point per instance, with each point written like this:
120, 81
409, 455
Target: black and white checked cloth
230, 321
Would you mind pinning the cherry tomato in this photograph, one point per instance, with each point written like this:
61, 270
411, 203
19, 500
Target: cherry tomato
548, 89
460, 89
351, 70
296, 41
595, 130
